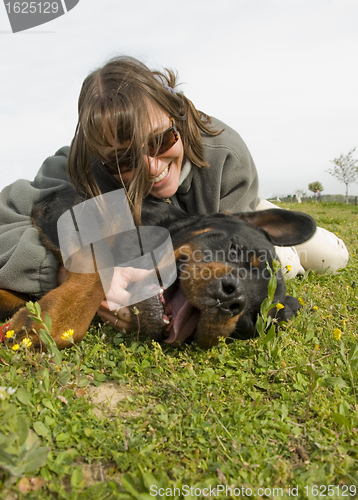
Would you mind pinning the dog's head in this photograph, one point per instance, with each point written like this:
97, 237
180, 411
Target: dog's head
222, 262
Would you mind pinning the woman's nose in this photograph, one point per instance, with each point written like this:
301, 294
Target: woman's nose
154, 165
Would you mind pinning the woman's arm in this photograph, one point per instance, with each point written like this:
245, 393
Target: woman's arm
25, 264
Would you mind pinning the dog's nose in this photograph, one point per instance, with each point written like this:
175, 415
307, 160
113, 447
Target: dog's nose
230, 295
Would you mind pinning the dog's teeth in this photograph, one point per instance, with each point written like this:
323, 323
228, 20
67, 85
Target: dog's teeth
166, 320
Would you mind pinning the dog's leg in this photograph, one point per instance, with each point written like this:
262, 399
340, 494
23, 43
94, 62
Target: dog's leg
70, 306
10, 302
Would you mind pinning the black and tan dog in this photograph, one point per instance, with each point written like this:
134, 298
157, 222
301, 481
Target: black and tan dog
222, 276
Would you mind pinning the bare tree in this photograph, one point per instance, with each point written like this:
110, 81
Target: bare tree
345, 169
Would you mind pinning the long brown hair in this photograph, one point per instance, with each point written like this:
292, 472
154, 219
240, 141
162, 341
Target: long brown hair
116, 98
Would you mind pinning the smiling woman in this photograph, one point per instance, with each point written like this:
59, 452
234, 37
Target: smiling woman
133, 121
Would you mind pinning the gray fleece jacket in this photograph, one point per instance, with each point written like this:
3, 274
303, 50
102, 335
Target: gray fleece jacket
229, 184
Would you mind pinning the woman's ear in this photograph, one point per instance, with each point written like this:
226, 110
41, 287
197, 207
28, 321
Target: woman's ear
284, 227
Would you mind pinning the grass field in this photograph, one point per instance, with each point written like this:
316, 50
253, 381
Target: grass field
249, 419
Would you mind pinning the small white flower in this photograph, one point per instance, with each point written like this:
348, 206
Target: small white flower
3, 393
6, 392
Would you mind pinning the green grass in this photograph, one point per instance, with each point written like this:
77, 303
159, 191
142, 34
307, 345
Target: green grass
280, 415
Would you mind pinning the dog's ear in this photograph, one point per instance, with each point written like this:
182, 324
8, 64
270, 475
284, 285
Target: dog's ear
284, 227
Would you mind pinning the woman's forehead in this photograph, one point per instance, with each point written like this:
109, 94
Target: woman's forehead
158, 118
158, 121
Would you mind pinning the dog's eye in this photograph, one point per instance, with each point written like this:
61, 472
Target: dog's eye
234, 253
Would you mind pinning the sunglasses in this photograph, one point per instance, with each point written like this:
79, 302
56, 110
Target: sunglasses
157, 146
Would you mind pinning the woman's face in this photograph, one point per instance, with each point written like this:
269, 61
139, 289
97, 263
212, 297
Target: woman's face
164, 170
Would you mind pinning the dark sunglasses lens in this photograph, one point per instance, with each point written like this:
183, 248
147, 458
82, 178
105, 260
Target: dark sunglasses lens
162, 143
122, 163
159, 145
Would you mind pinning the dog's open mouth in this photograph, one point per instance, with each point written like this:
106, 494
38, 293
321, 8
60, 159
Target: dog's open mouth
179, 314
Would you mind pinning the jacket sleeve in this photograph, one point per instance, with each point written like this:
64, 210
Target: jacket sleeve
25, 264
233, 170
229, 184
239, 182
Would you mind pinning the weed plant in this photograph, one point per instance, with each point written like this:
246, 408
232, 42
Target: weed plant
272, 417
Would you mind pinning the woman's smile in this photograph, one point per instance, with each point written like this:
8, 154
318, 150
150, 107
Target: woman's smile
161, 176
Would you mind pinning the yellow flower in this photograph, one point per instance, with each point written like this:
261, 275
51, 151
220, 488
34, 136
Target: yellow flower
9, 334
68, 335
26, 342
15, 347
316, 347
315, 308
289, 268
301, 301
279, 306
337, 333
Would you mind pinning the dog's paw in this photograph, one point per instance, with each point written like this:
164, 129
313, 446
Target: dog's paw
22, 330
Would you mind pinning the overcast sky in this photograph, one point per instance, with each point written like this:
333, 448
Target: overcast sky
283, 73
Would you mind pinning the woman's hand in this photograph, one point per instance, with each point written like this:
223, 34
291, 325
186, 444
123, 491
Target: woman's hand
120, 318
117, 297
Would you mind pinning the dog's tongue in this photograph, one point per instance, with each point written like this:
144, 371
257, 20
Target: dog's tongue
185, 319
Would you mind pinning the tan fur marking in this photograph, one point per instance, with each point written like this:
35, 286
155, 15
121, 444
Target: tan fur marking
209, 330
254, 260
202, 231
185, 251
